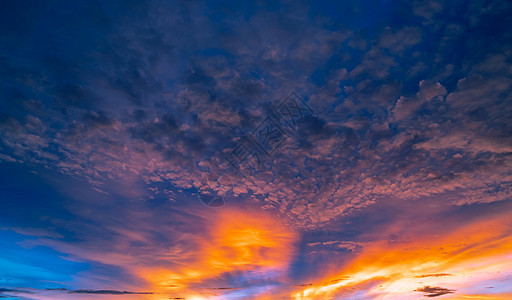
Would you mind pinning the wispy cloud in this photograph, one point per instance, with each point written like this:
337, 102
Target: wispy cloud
434, 291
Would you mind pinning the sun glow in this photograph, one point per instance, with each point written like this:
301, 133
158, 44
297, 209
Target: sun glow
457, 260
255, 244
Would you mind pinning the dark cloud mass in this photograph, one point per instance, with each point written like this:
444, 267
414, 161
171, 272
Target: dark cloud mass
434, 291
116, 119
105, 292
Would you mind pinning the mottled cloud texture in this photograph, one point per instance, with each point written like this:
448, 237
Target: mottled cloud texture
116, 117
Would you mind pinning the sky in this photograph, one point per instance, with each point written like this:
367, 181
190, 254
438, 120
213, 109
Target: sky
255, 150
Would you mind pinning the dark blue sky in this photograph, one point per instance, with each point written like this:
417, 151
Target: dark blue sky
119, 121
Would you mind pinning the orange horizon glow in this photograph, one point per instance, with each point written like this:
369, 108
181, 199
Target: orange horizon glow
456, 260
260, 247
236, 241
241, 242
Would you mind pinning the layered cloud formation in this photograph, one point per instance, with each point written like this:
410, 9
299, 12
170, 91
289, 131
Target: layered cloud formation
396, 187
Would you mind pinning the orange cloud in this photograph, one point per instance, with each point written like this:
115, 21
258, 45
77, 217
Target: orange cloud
235, 242
466, 256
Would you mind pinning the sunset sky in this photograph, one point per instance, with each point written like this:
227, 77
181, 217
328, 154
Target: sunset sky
255, 150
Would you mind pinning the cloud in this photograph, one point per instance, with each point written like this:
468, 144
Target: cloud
61, 293
236, 247
427, 9
4, 290
406, 108
399, 41
124, 112
392, 268
152, 132
434, 275
434, 291
107, 292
